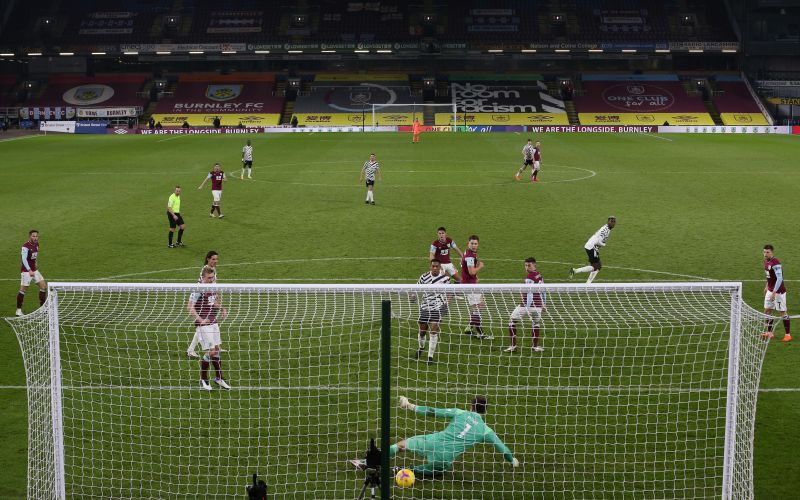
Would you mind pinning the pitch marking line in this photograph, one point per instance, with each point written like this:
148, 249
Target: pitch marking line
20, 138
589, 175
329, 259
657, 137
178, 136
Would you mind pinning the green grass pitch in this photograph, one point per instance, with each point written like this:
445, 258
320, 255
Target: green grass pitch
689, 207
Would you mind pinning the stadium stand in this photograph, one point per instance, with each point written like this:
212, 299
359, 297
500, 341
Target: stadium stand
231, 22
346, 99
636, 22
488, 100
86, 21
120, 22
622, 21
501, 22
101, 90
238, 99
363, 21
67, 92
736, 105
638, 100
8, 95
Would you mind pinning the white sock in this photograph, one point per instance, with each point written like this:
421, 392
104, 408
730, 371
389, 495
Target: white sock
591, 276
195, 341
242, 171
249, 171
432, 344
421, 340
584, 269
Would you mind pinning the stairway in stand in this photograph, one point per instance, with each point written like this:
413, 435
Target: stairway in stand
429, 114
712, 110
572, 113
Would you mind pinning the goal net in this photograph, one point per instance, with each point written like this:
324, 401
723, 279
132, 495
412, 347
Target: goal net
405, 114
641, 390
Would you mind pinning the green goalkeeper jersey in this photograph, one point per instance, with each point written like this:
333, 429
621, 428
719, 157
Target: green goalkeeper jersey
465, 430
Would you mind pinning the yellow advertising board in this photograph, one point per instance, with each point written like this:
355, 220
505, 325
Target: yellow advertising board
504, 119
784, 100
359, 77
743, 119
354, 119
645, 118
395, 118
226, 119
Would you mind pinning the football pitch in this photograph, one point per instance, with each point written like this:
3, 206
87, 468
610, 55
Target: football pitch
689, 208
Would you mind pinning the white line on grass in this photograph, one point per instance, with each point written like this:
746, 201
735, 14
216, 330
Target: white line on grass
449, 388
329, 259
20, 138
178, 136
657, 137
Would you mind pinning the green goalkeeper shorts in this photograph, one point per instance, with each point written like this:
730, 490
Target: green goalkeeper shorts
437, 454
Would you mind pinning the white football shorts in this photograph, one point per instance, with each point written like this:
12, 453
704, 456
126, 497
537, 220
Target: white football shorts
216, 194
474, 299
209, 336
450, 269
532, 312
536, 165
779, 304
26, 278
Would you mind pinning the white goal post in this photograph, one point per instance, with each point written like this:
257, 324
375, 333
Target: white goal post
393, 114
638, 390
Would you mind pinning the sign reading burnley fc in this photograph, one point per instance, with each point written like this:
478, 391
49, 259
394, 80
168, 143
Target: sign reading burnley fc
248, 97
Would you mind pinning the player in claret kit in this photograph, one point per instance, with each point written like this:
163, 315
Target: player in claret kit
440, 250
532, 305
470, 267
204, 306
537, 161
29, 270
211, 261
466, 428
775, 294
217, 177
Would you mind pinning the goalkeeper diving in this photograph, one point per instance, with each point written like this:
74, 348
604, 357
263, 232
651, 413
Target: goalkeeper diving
440, 449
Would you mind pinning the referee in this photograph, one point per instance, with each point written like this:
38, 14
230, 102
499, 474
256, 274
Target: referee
174, 217
370, 169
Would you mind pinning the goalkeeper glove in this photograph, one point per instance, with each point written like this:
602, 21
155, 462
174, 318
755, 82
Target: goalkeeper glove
406, 404
515, 462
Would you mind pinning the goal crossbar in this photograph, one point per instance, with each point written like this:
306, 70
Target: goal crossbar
405, 114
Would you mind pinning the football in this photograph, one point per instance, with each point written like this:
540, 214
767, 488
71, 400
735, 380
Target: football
404, 478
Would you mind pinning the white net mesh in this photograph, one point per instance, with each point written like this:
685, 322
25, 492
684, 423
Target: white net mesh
629, 398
